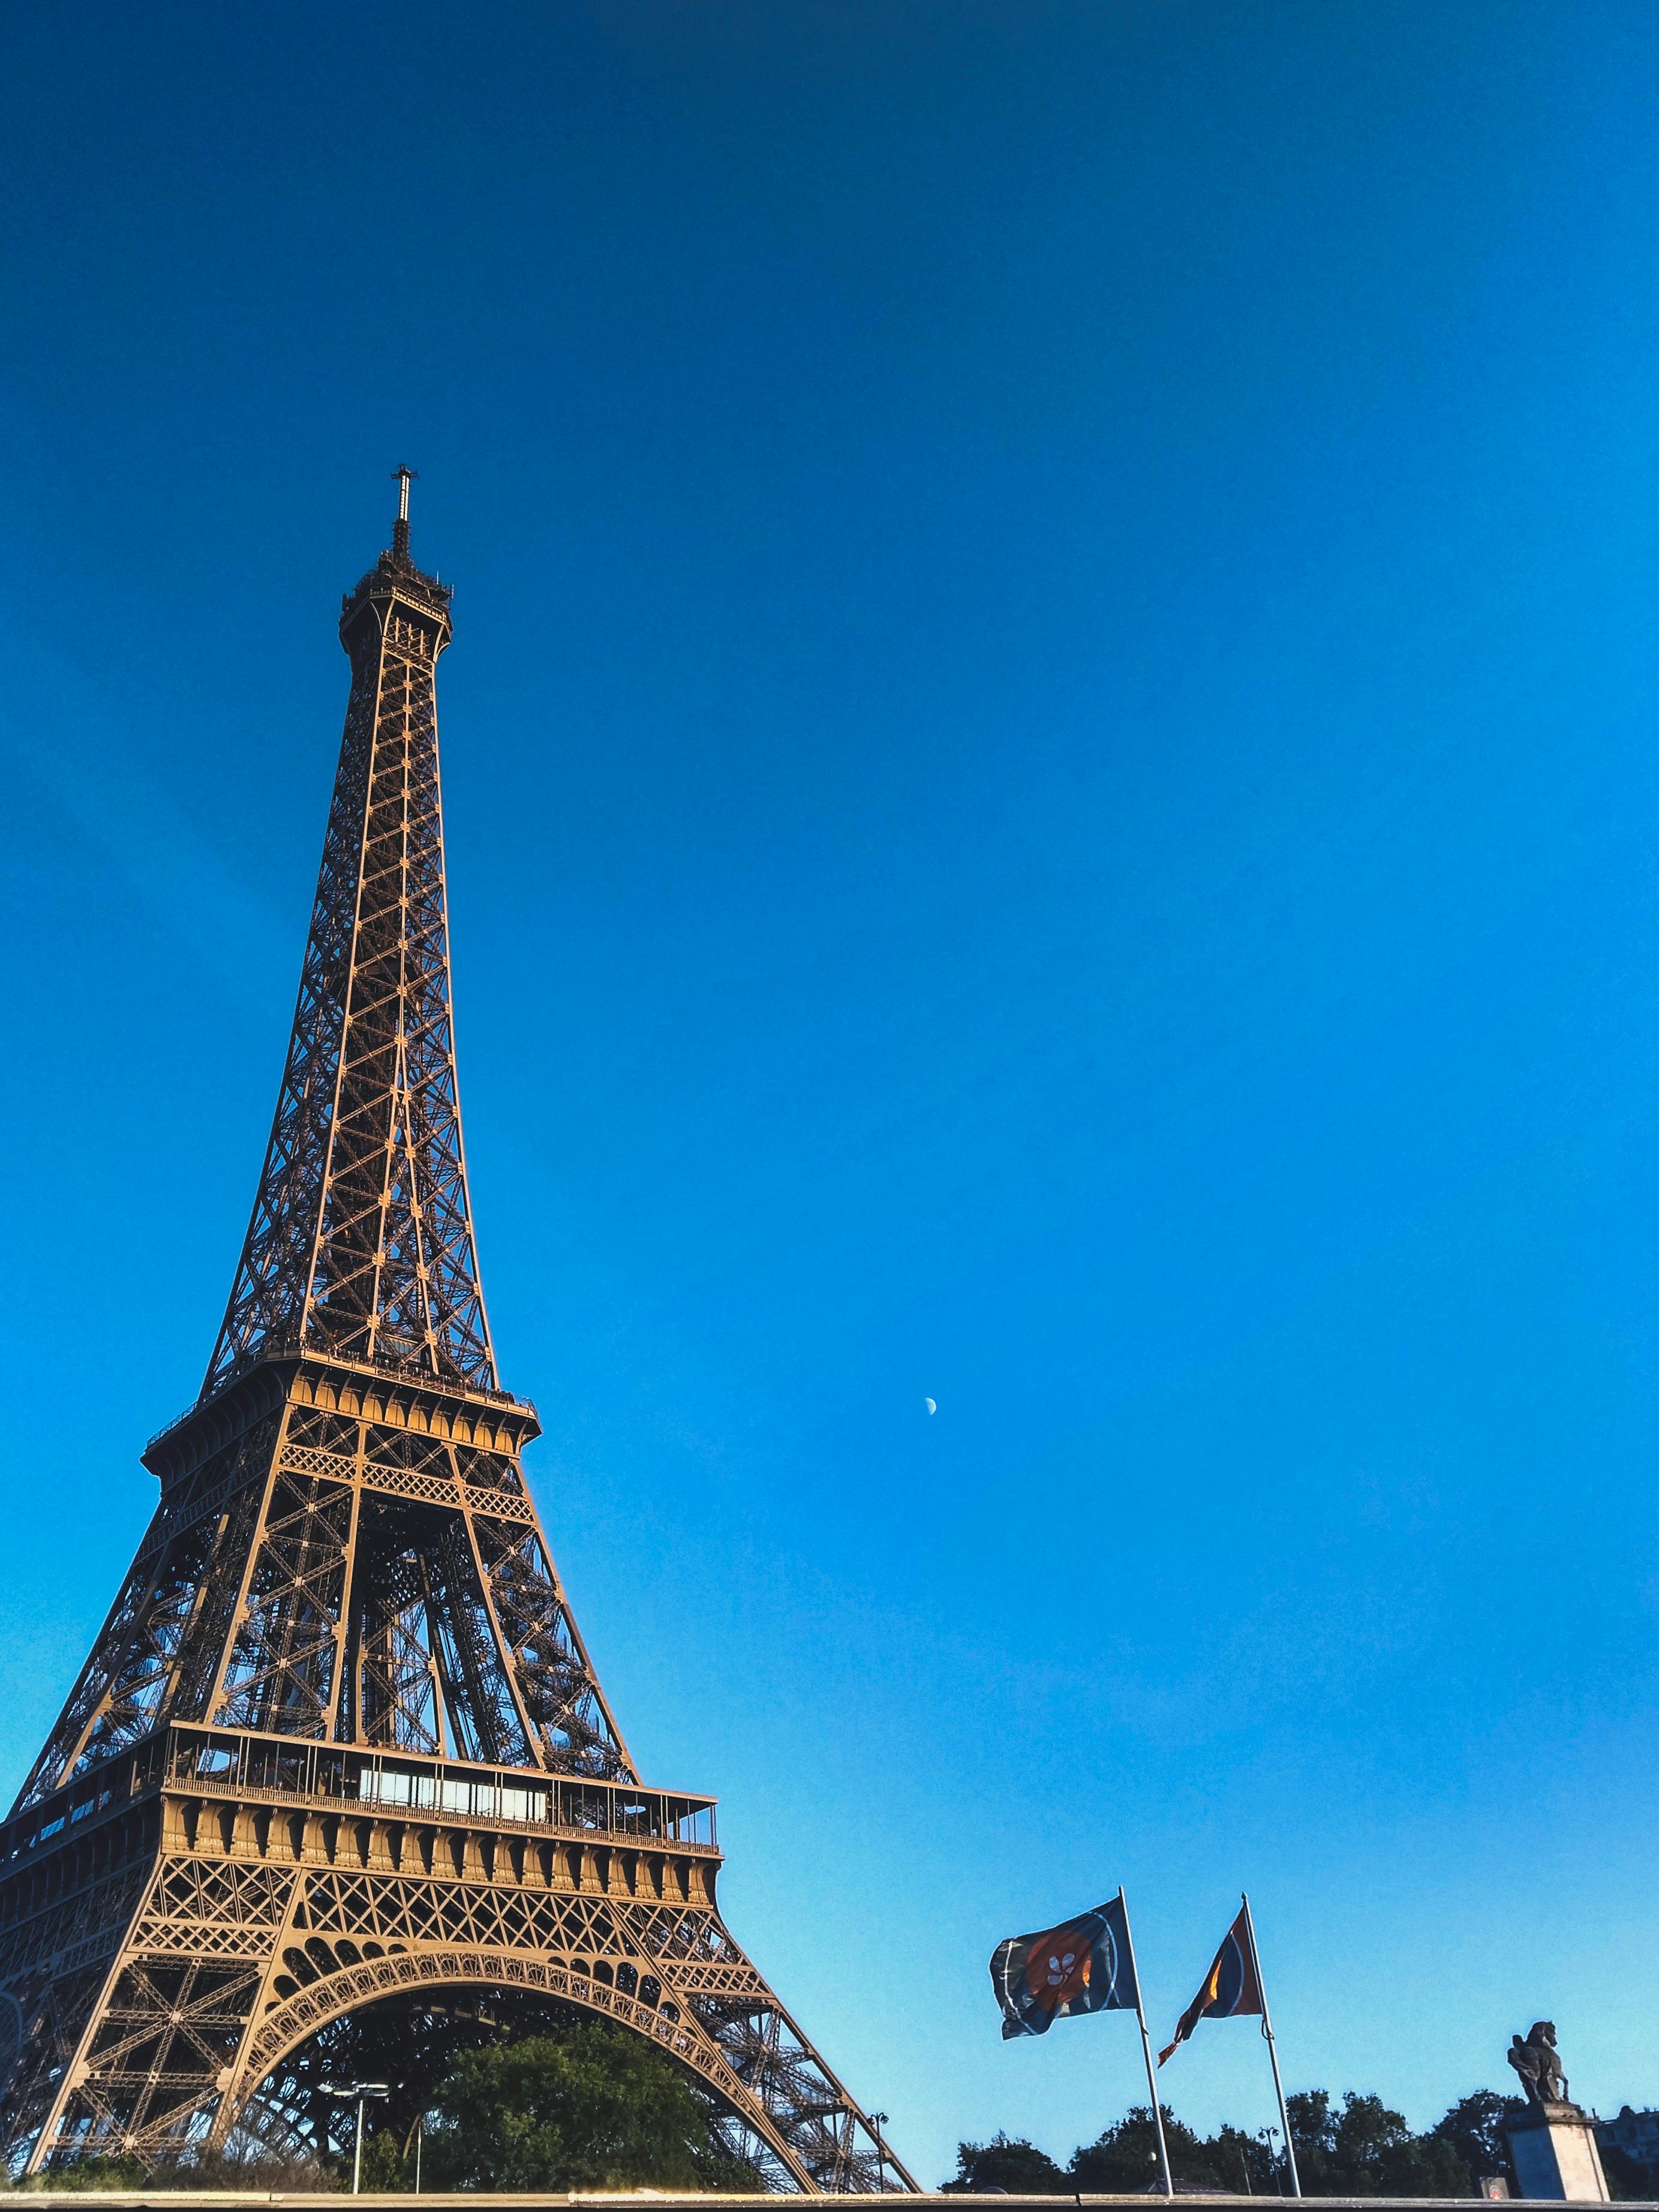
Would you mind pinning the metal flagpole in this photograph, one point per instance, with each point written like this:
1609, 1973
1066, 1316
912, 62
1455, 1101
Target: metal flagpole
1272, 2050
1147, 2049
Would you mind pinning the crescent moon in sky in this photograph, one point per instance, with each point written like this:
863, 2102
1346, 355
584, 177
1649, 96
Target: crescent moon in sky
931, 1405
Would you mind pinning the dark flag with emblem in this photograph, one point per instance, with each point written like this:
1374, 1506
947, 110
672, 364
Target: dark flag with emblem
1084, 1965
1232, 1985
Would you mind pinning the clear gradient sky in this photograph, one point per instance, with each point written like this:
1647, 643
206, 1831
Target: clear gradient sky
1052, 785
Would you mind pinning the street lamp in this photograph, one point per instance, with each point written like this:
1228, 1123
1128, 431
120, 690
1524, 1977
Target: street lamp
361, 2092
1270, 2136
878, 2122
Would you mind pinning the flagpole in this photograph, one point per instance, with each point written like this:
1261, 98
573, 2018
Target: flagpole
1147, 2049
1272, 2050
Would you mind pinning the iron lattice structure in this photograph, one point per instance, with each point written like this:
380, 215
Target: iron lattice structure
340, 1743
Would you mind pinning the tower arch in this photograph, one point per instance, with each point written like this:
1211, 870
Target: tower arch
586, 1989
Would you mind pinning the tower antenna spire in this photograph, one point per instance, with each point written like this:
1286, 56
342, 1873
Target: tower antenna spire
400, 528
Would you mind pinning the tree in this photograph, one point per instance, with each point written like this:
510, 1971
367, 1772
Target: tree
1359, 2147
1124, 2159
1475, 2129
1008, 2162
1247, 2162
208, 2171
1627, 2176
114, 2170
386, 2170
598, 2108
1366, 2149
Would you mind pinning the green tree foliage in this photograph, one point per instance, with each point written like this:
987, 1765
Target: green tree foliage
1358, 2147
1247, 2162
121, 2172
1125, 2158
208, 2171
1365, 2148
1628, 2177
1008, 2162
1475, 2129
386, 2170
598, 2108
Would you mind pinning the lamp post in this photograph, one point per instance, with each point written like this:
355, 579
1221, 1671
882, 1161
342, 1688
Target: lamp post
361, 2092
878, 2122
1270, 2136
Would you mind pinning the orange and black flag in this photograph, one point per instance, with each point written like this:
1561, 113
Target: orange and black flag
1083, 1966
1232, 1985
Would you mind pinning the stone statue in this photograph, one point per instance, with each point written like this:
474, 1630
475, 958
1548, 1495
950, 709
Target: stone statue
1538, 2063
1551, 2142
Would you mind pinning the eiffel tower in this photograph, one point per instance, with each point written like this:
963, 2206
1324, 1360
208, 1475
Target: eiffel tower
338, 1778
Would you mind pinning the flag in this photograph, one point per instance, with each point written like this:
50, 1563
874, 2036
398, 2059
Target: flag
1081, 1965
1232, 1985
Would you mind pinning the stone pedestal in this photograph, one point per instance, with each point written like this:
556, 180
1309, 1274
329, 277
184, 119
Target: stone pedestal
1555, 2155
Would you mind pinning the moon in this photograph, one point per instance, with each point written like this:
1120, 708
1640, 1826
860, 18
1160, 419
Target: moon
931, 1405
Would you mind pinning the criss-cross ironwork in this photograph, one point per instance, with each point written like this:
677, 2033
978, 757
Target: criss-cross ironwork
339, 1749
361, 1240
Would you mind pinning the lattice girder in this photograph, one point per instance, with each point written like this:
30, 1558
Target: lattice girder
360, 1239
266, 1917
340, 1735
354, 1520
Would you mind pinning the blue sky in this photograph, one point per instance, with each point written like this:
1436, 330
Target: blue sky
1052, 806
